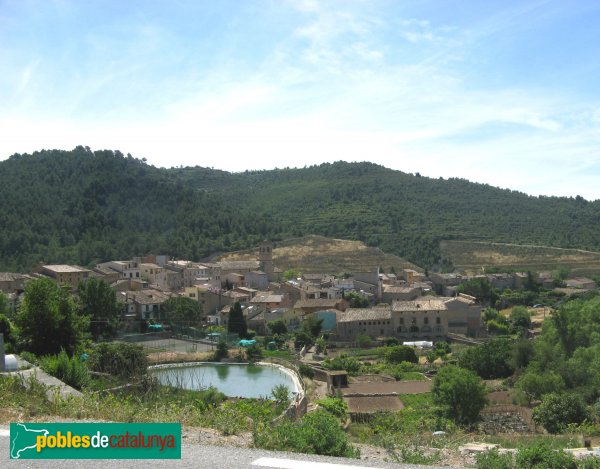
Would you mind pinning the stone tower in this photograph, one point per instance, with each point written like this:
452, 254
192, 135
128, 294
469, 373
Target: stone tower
265, 258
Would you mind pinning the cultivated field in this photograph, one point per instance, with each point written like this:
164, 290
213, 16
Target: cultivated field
316, 254
473, 255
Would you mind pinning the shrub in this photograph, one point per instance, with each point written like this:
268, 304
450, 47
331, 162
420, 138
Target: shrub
281, 394
541, 455
492, 459
490, 360
306, 370
317, 432
559, 410
460, 392
401, 353
71, 371
335, 406
343, 362
119, 359
254, 352
222, 350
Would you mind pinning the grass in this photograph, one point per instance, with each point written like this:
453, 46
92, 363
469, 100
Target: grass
148, 402
523, 441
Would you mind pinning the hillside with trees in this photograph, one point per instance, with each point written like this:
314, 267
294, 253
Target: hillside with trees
84, 207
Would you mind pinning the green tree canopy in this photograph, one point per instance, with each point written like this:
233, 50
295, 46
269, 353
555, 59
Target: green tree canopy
277, 327
460, 392
48, 320
401, 353
480, 288
559, 410
181, 310
99, 302
237, 321
490, 360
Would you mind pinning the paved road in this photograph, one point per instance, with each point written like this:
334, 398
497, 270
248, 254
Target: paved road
201, 456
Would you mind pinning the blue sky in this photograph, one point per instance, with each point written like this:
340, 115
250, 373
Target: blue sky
500, 92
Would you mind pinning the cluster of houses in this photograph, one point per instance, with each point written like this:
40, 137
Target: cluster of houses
403, 305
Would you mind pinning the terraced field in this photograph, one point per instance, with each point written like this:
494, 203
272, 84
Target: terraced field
316, 254
473, 255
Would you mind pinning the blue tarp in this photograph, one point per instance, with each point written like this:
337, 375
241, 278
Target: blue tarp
247, 343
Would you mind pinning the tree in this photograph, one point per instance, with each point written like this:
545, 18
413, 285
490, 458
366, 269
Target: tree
254, 353
277, 327
4, 306
119, 359
490, 360
291, 274
401, 353
558, 410
481, 288
222, 350
237, 321
48, 320
181, 310
312, 326
535, 385
460, 392
99, 302
356, 300
520, 320
8, 331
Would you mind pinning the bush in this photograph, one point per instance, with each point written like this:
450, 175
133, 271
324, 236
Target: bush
542, 456
318, 432
71, 371
335, 406
492, 459
557, 411
460, 392
343, 362
222, 351
281, 394
401, 353
119, 359
491, 360
209, 397
254, 353
306, 370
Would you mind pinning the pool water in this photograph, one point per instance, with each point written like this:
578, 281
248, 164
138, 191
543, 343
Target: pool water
233, 380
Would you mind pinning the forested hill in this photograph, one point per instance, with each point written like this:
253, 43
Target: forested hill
84, 207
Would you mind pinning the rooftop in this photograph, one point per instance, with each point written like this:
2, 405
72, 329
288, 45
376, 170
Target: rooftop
364, 314
63, 268
434, 304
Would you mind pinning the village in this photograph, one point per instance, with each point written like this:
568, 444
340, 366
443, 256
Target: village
380, 337
406, 305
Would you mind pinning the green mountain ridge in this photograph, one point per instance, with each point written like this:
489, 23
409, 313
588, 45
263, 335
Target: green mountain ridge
85, 207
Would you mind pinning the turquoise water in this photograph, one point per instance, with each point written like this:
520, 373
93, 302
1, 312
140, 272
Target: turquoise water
233, 380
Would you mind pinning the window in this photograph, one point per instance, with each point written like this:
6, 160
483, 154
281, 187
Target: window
438, 320
425, 320
401, 320
413, 321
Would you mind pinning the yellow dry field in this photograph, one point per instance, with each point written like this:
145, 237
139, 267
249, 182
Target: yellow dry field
328, 255
472, 256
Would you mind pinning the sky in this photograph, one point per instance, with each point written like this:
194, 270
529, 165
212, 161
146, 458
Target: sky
503, 92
